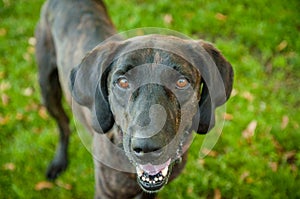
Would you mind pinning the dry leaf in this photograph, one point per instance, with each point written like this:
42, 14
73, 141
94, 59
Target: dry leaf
32, 41
228, 116
190, 189
1, 74
284, 122
201, 161
4, 120
290, 156
9, 166
248, 133
4, 86
234, 92
168, 19
27, 57
5, 99
273, 166
28, 91
248, 96
19, 116
282, 45
217, 194
31, 50
209, 152
220, 17
3, 32
64, 185
244, 175
43, 185
43, 113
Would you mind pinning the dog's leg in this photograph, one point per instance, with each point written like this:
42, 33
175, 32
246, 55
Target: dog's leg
52, 95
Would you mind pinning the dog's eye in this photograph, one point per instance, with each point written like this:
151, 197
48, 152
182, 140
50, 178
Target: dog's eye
123, 83
182, 83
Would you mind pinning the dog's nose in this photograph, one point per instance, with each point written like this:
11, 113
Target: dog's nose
143, 146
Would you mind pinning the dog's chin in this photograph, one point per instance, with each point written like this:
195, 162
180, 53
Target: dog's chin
152, 178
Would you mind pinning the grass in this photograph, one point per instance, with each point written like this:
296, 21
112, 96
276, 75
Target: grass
261, 160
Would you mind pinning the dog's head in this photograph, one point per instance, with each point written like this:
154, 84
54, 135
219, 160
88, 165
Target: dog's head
156, 89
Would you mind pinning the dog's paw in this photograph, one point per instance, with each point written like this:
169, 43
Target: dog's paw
55, 168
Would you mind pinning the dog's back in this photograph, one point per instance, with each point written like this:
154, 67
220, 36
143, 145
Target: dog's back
71, 29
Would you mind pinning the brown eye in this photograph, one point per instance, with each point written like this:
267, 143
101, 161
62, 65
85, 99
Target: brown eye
182, 83
123, 83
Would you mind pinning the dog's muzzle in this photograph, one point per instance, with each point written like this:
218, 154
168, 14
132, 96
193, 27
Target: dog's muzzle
151, 177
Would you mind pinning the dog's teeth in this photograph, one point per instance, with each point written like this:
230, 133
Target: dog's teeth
139, 172
160, 178
147, 179
156, 179
164, 172
143, 178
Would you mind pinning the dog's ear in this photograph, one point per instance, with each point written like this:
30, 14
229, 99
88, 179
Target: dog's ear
207, 105
88, 85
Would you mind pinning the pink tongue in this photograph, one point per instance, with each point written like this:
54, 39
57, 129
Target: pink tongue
154, 169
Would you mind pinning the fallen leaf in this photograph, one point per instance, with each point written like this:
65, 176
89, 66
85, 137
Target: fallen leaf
43, 185
19, 116
27, 57
168, 19
43, 113
282, 45
32, 107
290, 156
32, 41
234, 92
190, 189
220, 17
244, 175
4, 120
209, 152
273, 166
228, 116
248, 96
3, 32
28, 91
2, 74
217, 194
201, 161
248, 133
4, 86
31, 50
5, 99
284, 122
64, 185
9, 166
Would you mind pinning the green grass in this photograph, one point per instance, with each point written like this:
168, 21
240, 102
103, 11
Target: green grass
261, 40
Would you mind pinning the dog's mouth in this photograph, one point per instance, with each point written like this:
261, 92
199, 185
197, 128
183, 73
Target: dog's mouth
152, 178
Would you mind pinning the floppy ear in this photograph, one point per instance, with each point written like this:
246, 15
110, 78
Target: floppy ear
88, 85
207, 105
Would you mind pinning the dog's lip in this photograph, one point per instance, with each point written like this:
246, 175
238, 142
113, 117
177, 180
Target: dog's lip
152, 178
153, 169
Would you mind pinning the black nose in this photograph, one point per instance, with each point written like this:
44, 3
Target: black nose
143, 146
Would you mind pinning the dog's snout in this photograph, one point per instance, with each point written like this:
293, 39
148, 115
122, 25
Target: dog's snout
142, 146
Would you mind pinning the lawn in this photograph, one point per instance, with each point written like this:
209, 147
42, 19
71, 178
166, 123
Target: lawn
258, 153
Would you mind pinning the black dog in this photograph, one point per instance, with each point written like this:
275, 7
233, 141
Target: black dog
146, 94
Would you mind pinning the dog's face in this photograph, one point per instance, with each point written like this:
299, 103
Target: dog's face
156, 89
153, 95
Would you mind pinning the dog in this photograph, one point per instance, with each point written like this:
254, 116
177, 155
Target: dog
140, 98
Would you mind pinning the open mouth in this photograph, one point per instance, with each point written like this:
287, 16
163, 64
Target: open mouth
152, 178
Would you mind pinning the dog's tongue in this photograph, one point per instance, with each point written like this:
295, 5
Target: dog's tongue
154, 169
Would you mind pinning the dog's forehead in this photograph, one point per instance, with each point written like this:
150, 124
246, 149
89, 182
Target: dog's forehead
153, 57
